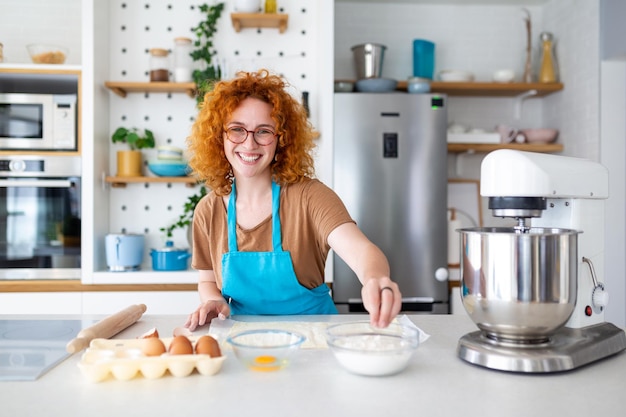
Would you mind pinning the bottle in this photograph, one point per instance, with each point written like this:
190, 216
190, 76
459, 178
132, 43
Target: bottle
182, 60
270, 6
548, 68
305, 103
159, 66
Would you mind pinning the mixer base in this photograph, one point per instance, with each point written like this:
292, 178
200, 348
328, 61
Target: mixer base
567, 349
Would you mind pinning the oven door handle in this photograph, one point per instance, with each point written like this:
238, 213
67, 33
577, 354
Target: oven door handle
37, 183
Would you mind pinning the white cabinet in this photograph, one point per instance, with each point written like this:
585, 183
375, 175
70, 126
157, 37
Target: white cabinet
40, 303
158, 302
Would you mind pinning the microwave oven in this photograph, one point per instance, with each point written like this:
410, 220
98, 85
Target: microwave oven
45, 122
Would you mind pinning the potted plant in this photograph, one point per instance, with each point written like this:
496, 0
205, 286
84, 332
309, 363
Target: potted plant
204, 52
185, 219
129, 162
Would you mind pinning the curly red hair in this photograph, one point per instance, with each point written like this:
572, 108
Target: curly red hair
293, 160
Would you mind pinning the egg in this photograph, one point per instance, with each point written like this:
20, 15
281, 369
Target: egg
180, 345
152, 346
209, 346
150, 333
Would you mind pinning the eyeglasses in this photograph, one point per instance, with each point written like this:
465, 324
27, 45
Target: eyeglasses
262, 136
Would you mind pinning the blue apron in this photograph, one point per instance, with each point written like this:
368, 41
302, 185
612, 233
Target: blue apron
258, 283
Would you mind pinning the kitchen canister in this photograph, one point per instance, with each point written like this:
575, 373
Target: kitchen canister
182, 60
159, 65
124, 252
423, 58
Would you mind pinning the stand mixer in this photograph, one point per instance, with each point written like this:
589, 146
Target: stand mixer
533, 289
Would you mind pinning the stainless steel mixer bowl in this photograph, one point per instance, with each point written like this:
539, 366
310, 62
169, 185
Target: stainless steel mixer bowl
519, 286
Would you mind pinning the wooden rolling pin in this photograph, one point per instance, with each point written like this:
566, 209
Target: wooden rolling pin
107, 327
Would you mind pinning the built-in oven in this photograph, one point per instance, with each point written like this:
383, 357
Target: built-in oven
40, 217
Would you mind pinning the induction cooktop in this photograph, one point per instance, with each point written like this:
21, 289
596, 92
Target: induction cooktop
29, 348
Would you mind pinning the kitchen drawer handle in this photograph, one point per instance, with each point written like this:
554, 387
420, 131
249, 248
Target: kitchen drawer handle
37, 183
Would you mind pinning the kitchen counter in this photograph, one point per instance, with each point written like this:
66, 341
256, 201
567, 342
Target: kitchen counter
436, 383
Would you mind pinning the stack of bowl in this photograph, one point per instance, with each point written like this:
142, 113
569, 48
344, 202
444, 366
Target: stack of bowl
169, 162
368, 61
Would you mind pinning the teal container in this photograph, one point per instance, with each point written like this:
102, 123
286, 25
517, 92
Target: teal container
423, 58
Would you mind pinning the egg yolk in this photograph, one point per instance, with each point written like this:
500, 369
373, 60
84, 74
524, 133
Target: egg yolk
265, 363
265, 359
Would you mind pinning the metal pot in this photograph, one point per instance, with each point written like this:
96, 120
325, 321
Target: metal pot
169, 258
124, 252
368, 60
519, 285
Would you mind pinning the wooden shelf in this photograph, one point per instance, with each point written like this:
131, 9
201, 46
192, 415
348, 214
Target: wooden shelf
122, 88
259, 20
120, 182
487, 147
481, 89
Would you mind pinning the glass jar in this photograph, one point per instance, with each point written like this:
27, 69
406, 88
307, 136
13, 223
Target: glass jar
182, 60
159, 65
270, 6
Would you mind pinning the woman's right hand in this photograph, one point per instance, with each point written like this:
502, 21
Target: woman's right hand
206, 312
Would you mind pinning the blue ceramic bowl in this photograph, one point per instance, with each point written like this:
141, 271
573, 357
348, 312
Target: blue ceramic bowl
376, 85
168, 168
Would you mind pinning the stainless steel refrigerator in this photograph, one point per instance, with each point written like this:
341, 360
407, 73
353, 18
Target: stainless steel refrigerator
390, 169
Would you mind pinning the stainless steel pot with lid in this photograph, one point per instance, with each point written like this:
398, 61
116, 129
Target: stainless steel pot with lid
519, 284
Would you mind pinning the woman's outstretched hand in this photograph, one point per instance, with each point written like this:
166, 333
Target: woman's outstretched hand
206, 312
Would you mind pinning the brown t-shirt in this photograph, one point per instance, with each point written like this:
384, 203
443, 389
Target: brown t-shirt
309, 211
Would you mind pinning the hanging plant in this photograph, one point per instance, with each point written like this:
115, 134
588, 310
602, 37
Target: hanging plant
204, 52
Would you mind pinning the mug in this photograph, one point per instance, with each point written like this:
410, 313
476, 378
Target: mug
509, 134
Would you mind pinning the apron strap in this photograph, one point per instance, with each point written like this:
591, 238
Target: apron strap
276, 231
232, 220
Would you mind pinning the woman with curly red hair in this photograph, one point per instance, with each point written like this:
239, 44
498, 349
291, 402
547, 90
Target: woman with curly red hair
262, 235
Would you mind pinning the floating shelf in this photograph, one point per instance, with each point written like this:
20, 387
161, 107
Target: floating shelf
485, 147
120, 182
259, 20
481, 89
122, 88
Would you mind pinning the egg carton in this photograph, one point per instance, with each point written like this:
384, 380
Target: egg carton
123, 360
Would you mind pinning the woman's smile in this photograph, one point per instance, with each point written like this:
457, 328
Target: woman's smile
249, 157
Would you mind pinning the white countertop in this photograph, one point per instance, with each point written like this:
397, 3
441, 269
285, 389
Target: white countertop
436, 383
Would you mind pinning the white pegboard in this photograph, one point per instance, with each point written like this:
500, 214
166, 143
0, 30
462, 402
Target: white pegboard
136, 27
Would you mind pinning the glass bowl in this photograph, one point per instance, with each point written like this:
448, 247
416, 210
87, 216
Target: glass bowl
47, 54
366, 350
265, 349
